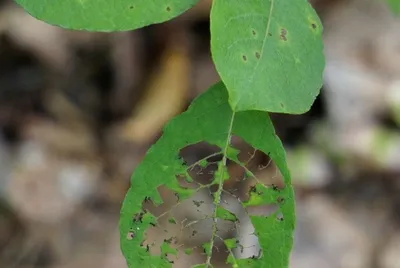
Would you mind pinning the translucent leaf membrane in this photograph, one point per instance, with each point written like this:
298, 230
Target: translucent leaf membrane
180, 207
105, 15
268, 53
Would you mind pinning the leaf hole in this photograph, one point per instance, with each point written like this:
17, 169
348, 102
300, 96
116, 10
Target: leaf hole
280, 200
201, 161
279, 216
130, 235
263, 210
138, 217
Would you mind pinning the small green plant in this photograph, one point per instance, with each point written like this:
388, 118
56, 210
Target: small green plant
269, 55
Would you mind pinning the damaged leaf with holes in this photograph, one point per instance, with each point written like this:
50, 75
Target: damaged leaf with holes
268, 53
105, 15
209, 119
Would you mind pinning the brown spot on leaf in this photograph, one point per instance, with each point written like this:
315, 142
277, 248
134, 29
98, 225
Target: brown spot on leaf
257, 55
282, 105
131, 7
314, 26
168, 9
130, 235
254, 32
283, 34
269, 34
138, 217
244, 57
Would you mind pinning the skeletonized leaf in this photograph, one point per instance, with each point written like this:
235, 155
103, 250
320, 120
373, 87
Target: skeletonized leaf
268, 53
209, 119
105, 15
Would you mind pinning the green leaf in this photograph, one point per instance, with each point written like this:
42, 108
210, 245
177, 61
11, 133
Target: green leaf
268, 53
188, 251
209, 119
230, 243
394, 5
224, 214
105, 15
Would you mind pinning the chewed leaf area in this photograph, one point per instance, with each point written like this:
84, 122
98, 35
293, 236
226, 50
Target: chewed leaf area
221, 201
186, 224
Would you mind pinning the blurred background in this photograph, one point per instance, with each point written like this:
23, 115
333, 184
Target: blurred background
79, 110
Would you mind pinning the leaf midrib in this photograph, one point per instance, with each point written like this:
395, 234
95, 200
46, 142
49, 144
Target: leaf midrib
217, 196
261, 50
